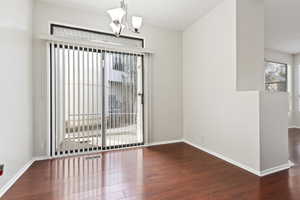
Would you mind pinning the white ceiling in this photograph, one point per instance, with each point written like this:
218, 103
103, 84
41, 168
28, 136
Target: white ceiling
282, 25
173, 14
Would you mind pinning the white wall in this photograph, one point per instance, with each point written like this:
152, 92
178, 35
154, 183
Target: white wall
250, 45
273, 129
215, 115
166, 71
281, 57
15, 86
276, 56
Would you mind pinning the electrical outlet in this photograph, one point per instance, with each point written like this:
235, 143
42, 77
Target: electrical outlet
1, 169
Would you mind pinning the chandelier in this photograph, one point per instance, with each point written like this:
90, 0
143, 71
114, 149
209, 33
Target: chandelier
119, 17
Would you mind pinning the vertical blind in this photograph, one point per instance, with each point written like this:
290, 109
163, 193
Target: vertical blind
96, 99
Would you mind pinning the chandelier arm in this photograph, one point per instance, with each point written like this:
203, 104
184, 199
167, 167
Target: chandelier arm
121, 21
125, 7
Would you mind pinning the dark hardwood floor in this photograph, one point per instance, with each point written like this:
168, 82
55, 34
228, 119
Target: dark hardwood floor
167, 172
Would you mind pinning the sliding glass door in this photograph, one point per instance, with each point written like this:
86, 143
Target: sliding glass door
123, 100
96, 99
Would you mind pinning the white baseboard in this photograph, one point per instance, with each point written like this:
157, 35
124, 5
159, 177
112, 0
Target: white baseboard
296, 127
249, 169
14, 179
291, 163
275, 169
258, 173
161, 143
40, 158
10, 183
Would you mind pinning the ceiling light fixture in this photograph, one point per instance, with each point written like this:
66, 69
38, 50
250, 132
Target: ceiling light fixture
119, 17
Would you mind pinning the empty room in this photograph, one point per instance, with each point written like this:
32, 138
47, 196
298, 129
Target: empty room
150, 100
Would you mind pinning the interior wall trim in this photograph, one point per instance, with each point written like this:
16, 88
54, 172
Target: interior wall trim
95, 45
266, 172
296, 127
222, 157
162, 143
240, 165
14, 179
275, 169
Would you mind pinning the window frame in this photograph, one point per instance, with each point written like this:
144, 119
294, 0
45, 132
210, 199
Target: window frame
277, 82
53, 25
145, 122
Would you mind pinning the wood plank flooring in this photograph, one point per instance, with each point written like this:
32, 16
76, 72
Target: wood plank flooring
166, 172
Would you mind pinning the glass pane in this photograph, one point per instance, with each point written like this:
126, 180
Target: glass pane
123, 105
275, 72
71, 33
276, 87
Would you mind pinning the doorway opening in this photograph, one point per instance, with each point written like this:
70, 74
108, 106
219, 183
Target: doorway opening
96, 99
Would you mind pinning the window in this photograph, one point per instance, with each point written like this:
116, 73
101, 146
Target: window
118, 63
96, 99
114, 104
95, 36
275, 77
